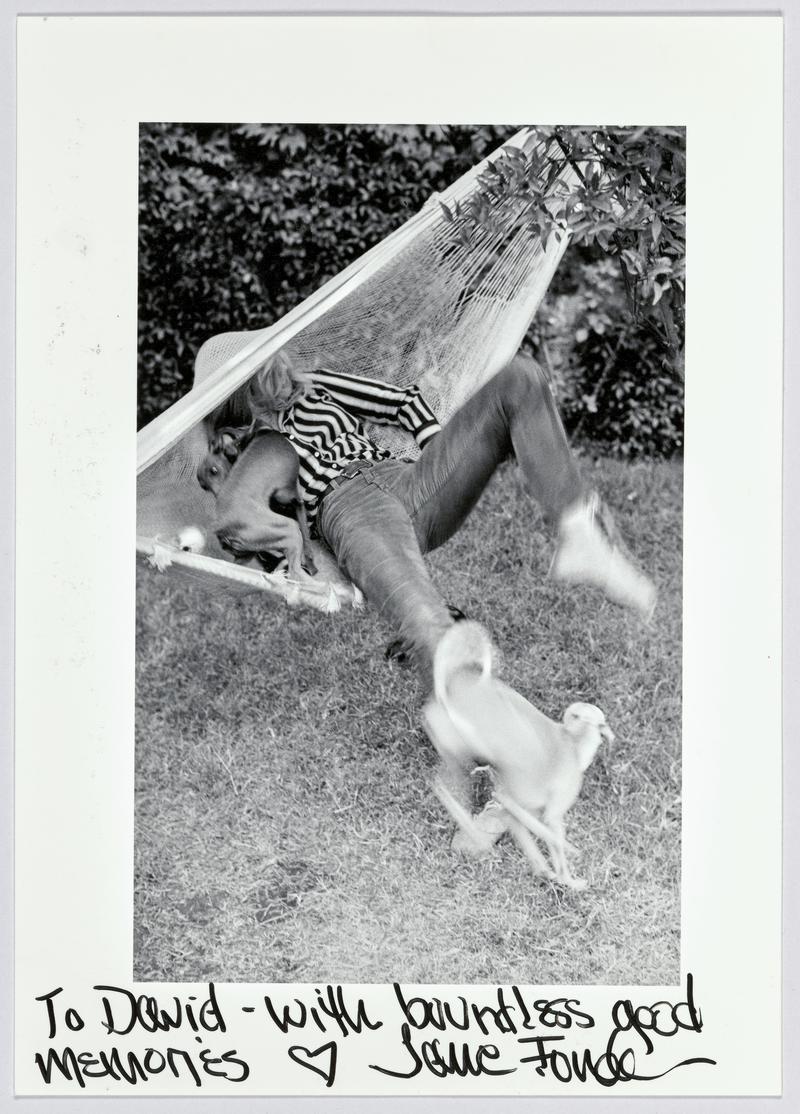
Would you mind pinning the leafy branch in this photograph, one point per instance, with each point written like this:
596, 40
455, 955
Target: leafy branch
628, 201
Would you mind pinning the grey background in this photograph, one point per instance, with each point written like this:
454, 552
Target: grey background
9, 9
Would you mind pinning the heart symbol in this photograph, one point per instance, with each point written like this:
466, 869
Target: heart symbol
297, 1052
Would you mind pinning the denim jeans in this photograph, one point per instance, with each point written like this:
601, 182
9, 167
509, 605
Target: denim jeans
380, 522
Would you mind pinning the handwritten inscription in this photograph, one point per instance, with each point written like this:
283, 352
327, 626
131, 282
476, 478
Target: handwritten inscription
438, 1037
635, 1029
122, 1013
330, 1006
510, 1014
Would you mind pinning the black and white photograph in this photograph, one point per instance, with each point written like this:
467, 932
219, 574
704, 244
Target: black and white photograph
409, 519
398, 578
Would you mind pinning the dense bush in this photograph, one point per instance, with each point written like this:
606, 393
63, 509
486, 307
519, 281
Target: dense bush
616, 384
239, 223
615, 313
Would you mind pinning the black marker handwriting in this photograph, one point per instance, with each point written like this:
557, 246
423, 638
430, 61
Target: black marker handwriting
125, 1011
136, 1067
541, 1036
304, 1056
331, 1005
444, 1058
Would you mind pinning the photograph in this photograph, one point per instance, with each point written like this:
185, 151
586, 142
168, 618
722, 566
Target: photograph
383, 729
409, 664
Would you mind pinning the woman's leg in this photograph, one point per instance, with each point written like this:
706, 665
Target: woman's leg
375, 544
514, 413
379, 524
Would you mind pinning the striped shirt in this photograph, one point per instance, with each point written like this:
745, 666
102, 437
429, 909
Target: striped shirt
326, 430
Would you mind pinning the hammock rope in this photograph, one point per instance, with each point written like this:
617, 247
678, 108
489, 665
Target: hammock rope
428, 305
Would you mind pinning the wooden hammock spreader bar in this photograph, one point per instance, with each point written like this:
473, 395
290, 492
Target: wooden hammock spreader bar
312, 592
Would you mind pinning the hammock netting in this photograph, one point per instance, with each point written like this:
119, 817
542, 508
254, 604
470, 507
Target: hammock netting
443, 302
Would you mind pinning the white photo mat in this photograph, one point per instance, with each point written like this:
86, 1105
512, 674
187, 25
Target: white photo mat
84, 86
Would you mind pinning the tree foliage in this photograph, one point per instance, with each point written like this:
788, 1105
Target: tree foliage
616, 381
630, 202
238, 223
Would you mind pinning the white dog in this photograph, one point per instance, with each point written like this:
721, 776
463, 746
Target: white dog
537, 765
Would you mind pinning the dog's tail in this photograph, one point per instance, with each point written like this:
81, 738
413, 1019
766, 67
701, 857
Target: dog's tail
466, 645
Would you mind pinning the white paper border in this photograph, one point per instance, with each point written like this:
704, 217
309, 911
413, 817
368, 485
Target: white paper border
743, 867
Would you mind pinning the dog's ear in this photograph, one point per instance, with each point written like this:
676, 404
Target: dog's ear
226, 444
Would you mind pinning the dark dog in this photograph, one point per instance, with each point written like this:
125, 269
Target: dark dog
260, 511
223, 451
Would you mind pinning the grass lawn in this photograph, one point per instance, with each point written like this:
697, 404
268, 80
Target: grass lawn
285, 827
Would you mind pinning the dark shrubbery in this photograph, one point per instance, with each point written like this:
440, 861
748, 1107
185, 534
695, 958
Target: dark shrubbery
627, 397
615, 382
237, 224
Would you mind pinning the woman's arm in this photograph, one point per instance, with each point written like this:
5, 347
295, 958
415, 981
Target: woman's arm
382, 403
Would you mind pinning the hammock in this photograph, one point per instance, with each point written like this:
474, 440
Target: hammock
430, 305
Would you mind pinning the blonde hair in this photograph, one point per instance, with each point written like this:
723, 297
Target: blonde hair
276, 386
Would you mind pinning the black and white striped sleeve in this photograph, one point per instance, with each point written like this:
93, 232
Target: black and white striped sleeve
382, 403
416, 416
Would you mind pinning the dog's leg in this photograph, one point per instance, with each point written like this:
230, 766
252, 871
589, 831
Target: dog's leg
305, 533
292, 546
558, 852
527, 845
482, 842
275, 533
528, 820
454, 783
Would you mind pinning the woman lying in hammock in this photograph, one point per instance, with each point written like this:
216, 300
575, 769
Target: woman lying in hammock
379, 515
